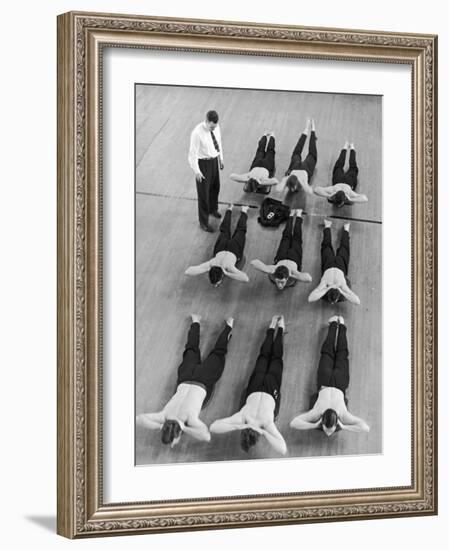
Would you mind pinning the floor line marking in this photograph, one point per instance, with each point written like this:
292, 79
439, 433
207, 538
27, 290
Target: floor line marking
313, 215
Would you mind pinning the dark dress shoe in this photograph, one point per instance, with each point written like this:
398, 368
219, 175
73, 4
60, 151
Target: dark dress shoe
216, 214
206, 228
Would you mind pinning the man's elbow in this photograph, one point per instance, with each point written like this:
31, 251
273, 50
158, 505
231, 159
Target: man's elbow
282, 447
214, 428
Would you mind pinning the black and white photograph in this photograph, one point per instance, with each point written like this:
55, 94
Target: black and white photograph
258, 274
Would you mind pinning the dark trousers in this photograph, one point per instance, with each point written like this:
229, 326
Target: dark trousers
333, 369
265, 155
208, 189
236, 243
267, 374
290, 247
350, 176
205, 373
329, 258
309, 163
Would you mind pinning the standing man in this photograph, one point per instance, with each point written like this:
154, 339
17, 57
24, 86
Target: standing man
206, 159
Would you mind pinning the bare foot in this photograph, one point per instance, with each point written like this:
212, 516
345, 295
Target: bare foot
245, 209
281, 322
347, 226
334, 319
307, 128
195, 318
327, 223
230, 321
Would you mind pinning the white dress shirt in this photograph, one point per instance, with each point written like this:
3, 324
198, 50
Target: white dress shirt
258, 414
184, 407
202, 145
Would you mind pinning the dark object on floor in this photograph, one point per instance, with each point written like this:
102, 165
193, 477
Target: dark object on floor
273, 213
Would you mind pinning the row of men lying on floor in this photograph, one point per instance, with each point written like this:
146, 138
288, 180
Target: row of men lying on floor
286, 269
299, 173
205, 159
262, 397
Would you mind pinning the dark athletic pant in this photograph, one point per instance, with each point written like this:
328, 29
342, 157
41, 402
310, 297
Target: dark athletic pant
350, 176
309, 163
204, 373
236, 243
265, 155
267, 374
208, 189
290, 247
333, 369
328, 256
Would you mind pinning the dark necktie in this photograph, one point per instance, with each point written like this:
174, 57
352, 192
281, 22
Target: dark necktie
214, 139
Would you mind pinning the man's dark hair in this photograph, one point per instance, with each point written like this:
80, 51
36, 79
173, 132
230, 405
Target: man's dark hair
215, 274
248, 438
292, 183
212, 116
339, 199
329, 418
281, 272
333, 295
170, 431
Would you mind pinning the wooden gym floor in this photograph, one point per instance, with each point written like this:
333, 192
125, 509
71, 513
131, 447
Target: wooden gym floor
168, 240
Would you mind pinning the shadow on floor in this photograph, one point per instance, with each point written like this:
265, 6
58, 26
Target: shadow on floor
46, 522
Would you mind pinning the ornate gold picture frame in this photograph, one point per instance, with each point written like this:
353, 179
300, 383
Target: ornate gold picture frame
82, 41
